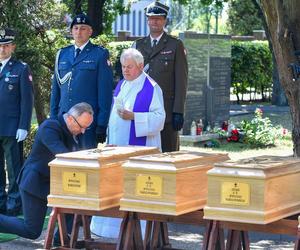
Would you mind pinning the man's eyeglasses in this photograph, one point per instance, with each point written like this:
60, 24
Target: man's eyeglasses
85, 128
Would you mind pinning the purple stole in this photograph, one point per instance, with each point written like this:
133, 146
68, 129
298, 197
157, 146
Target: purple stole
142, 103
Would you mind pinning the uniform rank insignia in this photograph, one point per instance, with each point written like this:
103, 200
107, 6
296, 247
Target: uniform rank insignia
166, 52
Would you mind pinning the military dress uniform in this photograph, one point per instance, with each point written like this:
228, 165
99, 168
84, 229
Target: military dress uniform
16, 102
166, 63
86, 78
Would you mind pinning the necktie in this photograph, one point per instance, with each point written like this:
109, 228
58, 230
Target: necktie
77, 52
154, 43
0, 67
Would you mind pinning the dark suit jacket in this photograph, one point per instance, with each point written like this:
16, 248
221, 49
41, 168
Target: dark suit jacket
53, 137
16, 98
168, 67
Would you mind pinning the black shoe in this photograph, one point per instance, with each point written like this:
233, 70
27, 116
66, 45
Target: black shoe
14, 212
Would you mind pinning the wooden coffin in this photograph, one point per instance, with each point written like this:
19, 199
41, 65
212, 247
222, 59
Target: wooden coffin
90, 179
167, 183
257, 190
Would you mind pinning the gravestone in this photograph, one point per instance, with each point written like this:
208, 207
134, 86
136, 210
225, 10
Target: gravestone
209, 79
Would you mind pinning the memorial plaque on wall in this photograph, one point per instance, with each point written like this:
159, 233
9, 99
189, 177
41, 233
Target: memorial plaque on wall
219, 81
208, 94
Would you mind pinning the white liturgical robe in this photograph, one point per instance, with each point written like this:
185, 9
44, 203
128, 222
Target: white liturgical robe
147, 124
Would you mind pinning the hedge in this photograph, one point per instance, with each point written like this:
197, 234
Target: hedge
251, 68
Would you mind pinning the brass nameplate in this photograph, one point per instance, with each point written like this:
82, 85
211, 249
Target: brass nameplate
74, 182
148, 186
235, 193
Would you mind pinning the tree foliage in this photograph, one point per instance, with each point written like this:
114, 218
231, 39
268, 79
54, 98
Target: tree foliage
196, 15
101, 12
243, 17
251, 68
36, 44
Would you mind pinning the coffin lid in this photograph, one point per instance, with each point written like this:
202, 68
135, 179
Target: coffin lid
109, 153
179, 158
264, 162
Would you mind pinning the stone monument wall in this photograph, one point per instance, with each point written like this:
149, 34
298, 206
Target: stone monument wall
209, 63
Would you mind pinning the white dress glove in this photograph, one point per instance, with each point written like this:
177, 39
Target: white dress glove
21, 134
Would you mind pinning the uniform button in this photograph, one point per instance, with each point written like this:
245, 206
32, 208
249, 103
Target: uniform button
71, 89
70, 99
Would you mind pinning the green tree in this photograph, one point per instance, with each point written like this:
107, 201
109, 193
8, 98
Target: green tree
243, 17
197, 15
102, 12
36, 44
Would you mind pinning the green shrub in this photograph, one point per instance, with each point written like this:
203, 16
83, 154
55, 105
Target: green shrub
251, 67
30, 139
259, 132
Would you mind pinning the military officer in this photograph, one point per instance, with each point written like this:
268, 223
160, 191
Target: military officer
16, 102
166, 63
83, 74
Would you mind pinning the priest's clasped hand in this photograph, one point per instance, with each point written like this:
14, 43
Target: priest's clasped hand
21, 134
126, 114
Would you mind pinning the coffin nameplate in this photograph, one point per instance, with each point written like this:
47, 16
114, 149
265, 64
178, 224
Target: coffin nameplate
235, 193
149, 185
74, 182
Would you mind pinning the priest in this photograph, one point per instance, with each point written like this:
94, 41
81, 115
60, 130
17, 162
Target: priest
136, 118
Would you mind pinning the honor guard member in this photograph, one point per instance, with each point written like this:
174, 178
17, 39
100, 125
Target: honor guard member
16, 102
165, 62
83, 74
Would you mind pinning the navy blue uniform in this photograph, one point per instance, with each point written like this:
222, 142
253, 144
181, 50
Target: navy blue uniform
16, 102
88, 78
53, 137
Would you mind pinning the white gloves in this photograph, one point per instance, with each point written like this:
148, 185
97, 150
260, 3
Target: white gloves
21, 134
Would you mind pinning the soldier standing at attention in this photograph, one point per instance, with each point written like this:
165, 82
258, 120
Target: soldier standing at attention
83, 74
166, 63
16, 102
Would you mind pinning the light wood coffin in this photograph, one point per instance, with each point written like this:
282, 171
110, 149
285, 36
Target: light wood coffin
167, 183
90, 179
257, 190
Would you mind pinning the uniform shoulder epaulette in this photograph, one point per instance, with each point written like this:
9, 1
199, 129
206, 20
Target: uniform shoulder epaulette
174, 37
141, 39
99, 46
68, 46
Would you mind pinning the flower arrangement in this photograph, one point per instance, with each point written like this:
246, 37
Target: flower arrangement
259, 132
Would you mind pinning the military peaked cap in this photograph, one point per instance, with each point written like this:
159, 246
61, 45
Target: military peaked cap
6, 36
81, 19
157, 9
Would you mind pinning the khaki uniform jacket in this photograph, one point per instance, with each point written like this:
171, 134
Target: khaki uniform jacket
167, 65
